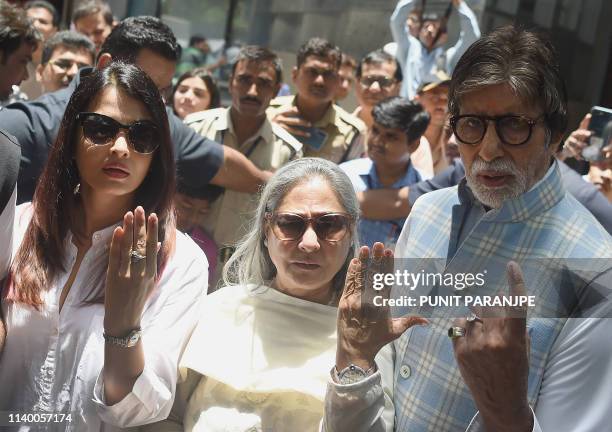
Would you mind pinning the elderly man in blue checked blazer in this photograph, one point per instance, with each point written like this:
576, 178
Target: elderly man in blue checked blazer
508, 107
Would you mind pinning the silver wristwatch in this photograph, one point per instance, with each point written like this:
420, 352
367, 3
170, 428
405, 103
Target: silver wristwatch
352, 374
127, 341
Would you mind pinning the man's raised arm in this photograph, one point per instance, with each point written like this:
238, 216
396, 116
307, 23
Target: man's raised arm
397, 24
468, 33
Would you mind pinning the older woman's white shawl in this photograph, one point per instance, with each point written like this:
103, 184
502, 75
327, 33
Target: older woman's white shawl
265, 359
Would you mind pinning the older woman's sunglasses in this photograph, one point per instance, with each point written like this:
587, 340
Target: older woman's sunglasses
143, 135
331, 227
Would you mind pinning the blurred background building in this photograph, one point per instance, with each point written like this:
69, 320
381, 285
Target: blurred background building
580, 29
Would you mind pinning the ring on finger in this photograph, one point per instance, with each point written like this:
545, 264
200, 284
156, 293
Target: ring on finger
136, 256
473, 318
456, 332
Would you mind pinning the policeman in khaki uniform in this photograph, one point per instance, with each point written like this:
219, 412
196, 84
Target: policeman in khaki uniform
255, 79
325, 129
340, 127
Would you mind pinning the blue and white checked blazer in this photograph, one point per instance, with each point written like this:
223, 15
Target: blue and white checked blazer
545, 222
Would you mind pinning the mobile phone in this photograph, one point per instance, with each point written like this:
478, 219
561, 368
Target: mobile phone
601, 128
316, 138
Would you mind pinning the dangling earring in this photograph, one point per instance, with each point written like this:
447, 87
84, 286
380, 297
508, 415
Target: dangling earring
77, 189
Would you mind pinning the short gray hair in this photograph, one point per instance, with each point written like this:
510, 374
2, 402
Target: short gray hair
525, 60
251, 263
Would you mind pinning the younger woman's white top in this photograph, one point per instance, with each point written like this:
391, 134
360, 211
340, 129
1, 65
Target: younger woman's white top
52, 361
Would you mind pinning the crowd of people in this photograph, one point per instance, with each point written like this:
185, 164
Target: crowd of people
173, 263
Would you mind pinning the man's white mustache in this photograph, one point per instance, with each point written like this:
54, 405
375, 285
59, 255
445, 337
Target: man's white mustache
501, 166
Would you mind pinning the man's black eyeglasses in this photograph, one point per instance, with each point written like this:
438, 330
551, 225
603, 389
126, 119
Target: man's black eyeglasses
511, 129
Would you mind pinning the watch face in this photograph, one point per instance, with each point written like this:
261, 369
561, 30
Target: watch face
352, 374
133, 338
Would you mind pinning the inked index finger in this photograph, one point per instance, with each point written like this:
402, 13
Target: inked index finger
516, 289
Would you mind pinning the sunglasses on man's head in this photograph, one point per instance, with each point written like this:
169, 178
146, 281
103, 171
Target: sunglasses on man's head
331, 227
143, 135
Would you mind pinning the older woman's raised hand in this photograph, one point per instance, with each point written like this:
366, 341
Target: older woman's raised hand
363, 328
132, 269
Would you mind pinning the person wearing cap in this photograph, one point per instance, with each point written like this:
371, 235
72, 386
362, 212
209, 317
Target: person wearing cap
434, 98
421, 58
496, 369
255, 80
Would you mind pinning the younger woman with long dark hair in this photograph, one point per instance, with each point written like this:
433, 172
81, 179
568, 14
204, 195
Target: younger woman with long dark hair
100, 297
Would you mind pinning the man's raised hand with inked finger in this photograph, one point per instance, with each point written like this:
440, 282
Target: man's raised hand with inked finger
493, 357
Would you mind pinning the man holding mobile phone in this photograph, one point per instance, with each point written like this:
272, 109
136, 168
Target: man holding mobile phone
580, 139
326, 130
592, 141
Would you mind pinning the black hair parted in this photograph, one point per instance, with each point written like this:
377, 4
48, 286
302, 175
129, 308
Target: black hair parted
136, 33
403, 114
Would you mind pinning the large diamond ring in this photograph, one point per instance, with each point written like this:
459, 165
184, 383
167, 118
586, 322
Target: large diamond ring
473, 317
135, 256
456, 332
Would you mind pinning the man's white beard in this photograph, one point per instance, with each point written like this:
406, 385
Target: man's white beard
495, 197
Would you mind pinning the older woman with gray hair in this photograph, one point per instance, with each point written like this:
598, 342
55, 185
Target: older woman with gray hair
259, 357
